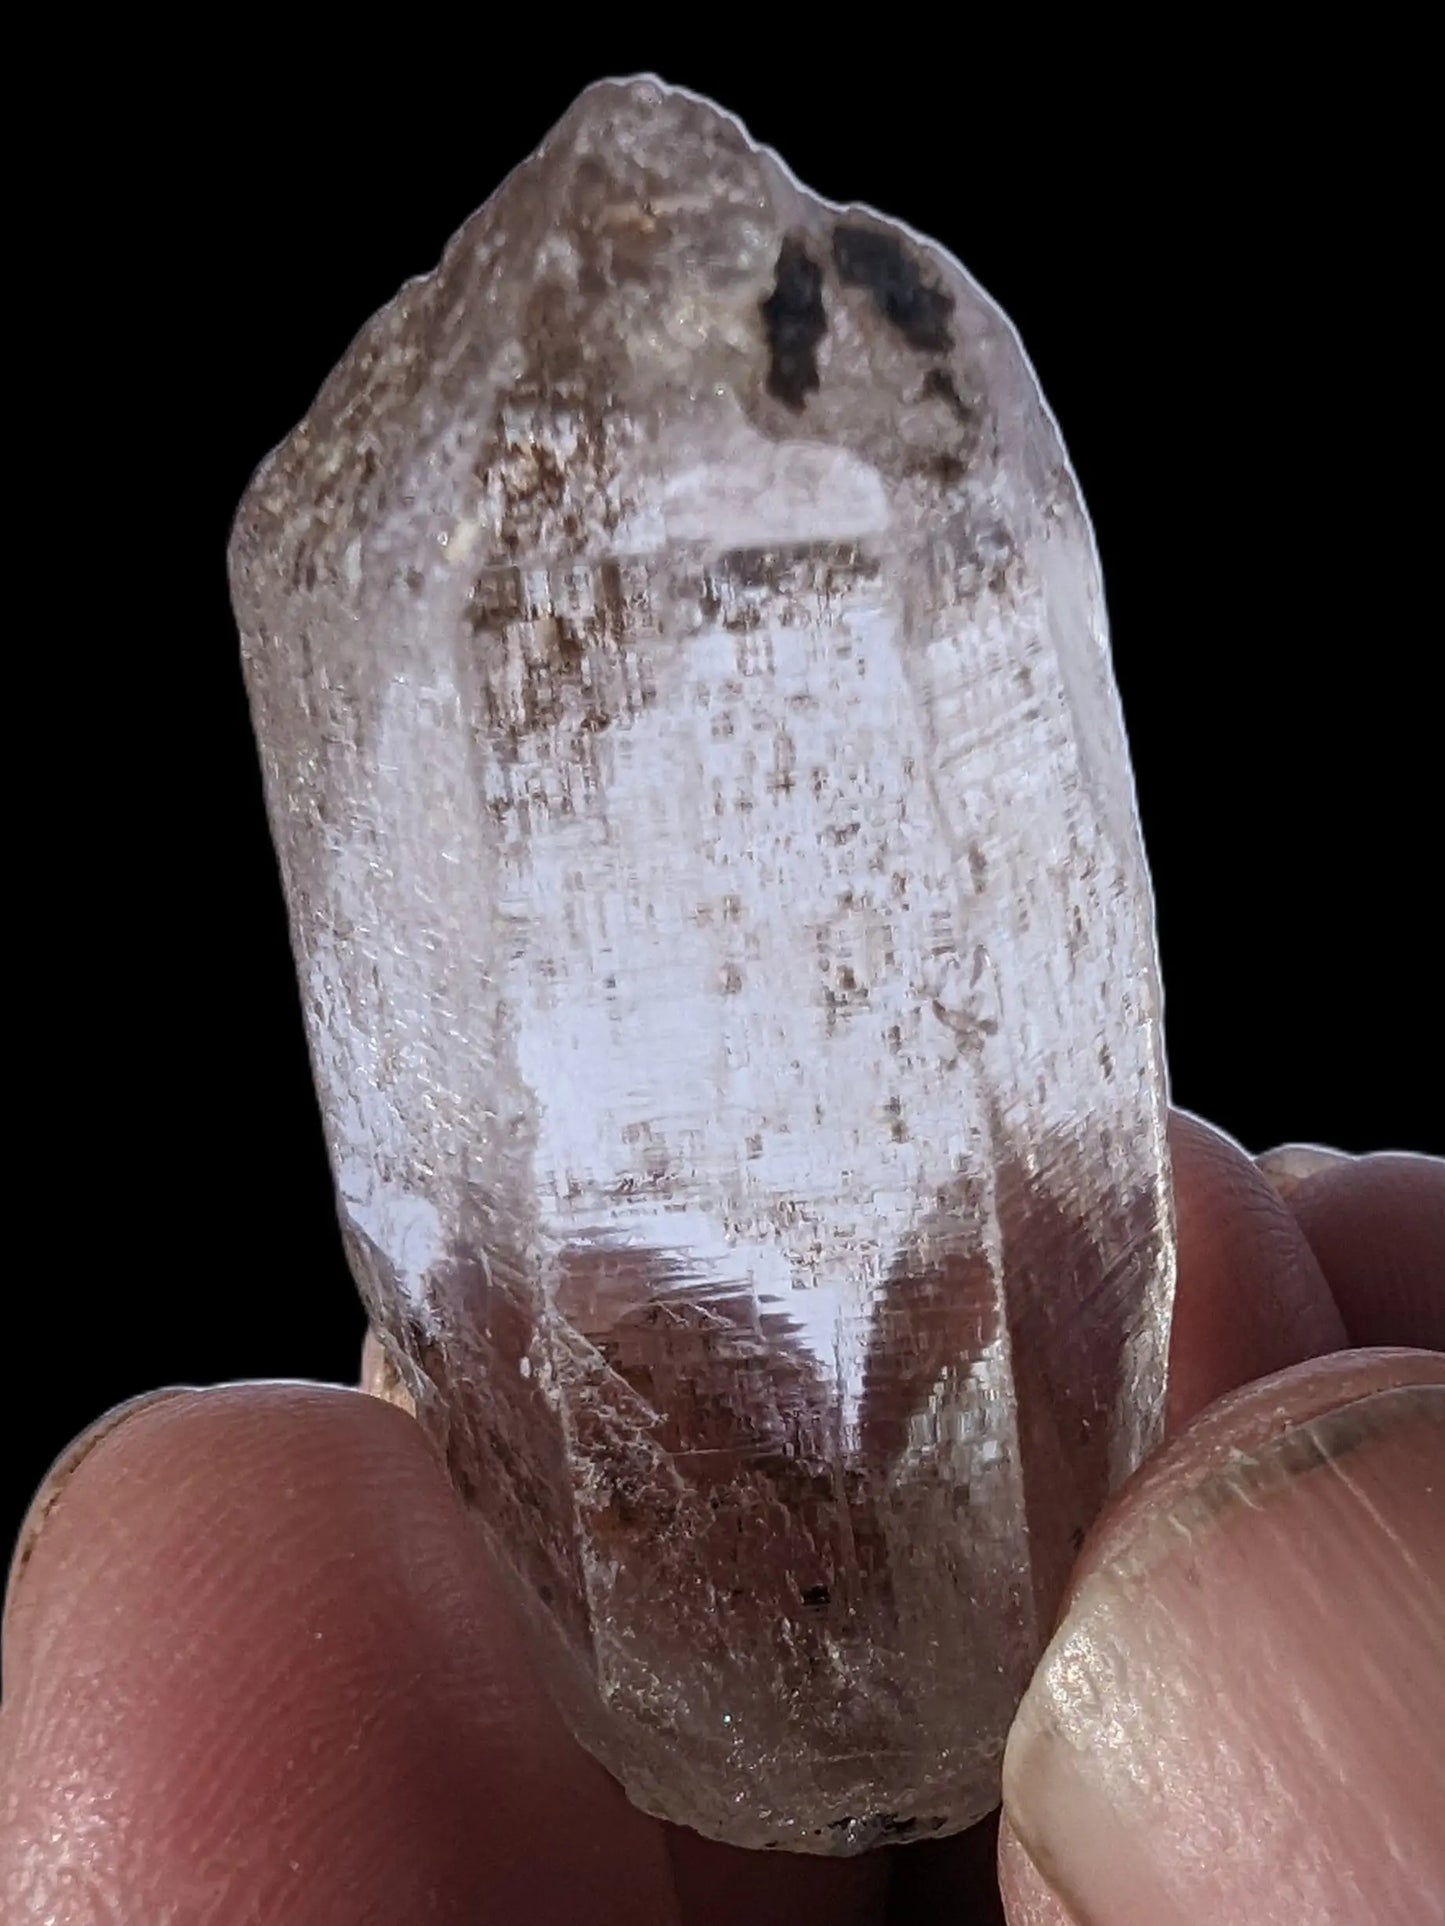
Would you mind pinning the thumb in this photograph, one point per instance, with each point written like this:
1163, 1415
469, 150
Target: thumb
1240, 1714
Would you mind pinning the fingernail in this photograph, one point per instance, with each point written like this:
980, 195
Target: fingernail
53, 1485
380, 1377
1027, 1899
1240, 1715
1290, 1165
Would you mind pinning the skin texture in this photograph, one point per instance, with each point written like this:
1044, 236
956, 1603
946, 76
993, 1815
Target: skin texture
1378, 1226
1299, 1529
258, 1667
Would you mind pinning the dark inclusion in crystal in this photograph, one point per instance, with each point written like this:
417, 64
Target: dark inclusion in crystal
907, 300
795, 322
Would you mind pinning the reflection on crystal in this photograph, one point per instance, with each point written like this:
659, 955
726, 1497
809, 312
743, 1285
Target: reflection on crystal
679, 666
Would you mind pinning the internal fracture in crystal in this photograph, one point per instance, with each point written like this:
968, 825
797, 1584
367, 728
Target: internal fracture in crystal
679, 664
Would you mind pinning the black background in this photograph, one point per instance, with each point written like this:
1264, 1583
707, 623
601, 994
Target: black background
1219, 276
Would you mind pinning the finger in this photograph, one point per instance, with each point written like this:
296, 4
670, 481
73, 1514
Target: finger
309, 1508
1239, 1715
1290, 1165
256, 1653
1376, 1226
1251, 1297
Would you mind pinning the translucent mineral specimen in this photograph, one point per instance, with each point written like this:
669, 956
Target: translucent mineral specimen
679, 664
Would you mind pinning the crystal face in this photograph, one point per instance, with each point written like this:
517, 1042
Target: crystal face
679, 665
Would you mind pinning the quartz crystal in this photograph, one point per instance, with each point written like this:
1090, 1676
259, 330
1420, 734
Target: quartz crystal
679, 664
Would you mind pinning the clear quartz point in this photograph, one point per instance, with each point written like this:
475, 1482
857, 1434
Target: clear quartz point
679, 663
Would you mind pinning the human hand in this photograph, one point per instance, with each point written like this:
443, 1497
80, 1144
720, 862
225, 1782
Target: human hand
260, 1670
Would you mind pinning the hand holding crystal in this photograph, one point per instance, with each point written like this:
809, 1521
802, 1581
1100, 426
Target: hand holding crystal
258, 1666
680, 671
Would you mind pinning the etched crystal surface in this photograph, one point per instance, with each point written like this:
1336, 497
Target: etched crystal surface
679, 664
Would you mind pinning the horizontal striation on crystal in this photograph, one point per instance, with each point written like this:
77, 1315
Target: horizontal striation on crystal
680, 671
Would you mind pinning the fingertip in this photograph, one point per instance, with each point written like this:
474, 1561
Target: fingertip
54, 1484
219, 1449
1251, 1298
1250, 1669
258, 1633
1376, 1228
